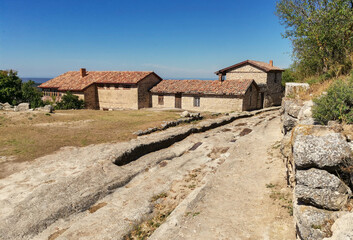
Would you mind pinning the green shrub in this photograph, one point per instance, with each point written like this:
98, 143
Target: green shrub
70, 101
337, 104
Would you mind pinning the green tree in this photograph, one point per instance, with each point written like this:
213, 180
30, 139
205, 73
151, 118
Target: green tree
31, 94
321, 32
70, 101
10, 87
288, 76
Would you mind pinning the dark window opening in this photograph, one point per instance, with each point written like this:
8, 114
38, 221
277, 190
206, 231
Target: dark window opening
160, 100
196, 101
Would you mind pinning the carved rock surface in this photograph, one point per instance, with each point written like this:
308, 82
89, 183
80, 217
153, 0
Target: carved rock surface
322, 189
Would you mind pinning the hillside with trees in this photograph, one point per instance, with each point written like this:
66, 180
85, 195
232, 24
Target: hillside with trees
321, 32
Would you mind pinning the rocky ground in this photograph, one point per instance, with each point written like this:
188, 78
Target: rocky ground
225, 183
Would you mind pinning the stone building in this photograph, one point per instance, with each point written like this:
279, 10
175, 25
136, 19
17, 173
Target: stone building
206, 95
105, 89
267, 77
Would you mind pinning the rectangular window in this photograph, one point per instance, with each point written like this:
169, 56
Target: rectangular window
275, 77
160, 100
196, 101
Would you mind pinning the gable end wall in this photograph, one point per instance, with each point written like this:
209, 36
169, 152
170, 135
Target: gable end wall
144, 96
247, 72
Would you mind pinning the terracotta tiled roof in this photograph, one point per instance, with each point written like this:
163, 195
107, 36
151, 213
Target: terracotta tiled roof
262, 65
73, 81
212, 87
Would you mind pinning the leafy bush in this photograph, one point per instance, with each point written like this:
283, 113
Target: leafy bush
31, 94
337, 104
70, 101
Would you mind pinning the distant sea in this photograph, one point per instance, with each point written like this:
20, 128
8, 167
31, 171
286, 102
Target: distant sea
36, 80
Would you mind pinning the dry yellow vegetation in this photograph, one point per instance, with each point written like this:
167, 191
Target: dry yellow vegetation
29, 135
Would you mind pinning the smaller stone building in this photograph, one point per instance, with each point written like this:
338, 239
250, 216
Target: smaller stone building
206, 95
105, 89
267, 77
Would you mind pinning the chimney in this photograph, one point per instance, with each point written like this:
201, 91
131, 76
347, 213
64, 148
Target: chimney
271, 63
83, 72
220, 77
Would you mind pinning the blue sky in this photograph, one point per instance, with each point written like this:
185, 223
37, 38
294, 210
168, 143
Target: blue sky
174, 38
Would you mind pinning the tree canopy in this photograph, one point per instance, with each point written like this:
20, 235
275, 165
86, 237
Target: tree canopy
31, 94
321, 32
10, 87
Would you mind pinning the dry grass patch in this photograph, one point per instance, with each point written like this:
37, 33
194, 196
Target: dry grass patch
29, 135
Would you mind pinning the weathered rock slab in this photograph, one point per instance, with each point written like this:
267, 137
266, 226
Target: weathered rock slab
289, 123
313, 223
342, 228
326, 151
321, 189
295, 88
305, 114
21, 107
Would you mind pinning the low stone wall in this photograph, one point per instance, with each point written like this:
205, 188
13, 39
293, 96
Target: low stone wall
22, 107
319, 163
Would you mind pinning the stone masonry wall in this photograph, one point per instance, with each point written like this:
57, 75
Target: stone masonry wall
207, 103
271, 82
213, 103
144, 96
250, 99
319, 163
115, 98
169, 101
247, 72
91, 97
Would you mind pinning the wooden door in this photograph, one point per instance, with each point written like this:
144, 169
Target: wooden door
178, 100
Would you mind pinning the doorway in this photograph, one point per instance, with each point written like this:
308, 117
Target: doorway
178, 100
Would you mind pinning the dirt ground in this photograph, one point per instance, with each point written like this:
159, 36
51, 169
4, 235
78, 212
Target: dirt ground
29, 135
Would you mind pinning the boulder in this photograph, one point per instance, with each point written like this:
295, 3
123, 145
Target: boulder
305, 114
342, 229
195, 115
22, 107
293, 89
313, 223
321, 189
291, 107
288, 123
326, 151
48, 108
7, 106
185, 114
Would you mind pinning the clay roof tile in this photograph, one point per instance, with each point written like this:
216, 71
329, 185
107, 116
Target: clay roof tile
72, 81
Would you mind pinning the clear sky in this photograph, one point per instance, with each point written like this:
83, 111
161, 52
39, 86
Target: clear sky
174, 38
